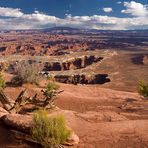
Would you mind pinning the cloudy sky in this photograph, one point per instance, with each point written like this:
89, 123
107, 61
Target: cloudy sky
90, 14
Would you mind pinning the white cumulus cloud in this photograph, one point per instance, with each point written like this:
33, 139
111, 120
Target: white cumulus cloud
135, 9
107, 9
15, 19
10, 12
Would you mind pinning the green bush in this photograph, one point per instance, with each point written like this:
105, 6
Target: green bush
49, 131
2, 82
51, 89
143, 88
27, 73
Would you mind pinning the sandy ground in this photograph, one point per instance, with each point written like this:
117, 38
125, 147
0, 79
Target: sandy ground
105, 118
101, 117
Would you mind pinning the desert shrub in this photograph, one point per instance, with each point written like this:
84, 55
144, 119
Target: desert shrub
51, 89
50, 94
27, 73
2, 82
51, 78
143, 88
49, 131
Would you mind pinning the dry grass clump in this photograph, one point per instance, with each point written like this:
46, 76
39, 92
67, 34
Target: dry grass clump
49, 131
27, 73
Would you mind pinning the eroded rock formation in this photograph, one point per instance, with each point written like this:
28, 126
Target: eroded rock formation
140, 59
74, 63
83, 79
69, 64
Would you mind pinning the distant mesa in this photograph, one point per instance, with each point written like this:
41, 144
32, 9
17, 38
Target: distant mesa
140, 59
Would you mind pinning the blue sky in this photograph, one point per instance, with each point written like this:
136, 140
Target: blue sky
93, 14
59, 8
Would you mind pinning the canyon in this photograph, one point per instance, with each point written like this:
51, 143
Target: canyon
63, 65
98, 73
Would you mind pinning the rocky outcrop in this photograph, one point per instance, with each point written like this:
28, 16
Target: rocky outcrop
18, 122
140, 59
24, 124
69, 64
23, 50
82, 79
74, 63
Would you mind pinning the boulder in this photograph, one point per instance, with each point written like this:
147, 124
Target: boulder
23, 124
72, 140
19, 122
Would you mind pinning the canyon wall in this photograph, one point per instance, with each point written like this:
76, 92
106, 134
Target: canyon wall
69, 64
74, 63
64, 65
82, 79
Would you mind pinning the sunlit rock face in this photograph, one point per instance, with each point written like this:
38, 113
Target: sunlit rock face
73, 63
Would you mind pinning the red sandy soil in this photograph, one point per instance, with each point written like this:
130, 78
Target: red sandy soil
102, 118
100, 123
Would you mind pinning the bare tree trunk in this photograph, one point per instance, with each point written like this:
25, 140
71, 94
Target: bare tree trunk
21, 100
6, 102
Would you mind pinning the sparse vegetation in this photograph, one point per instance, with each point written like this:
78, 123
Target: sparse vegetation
2, 82
50, 92
49, 131
143, 88
27, 73
51, 89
